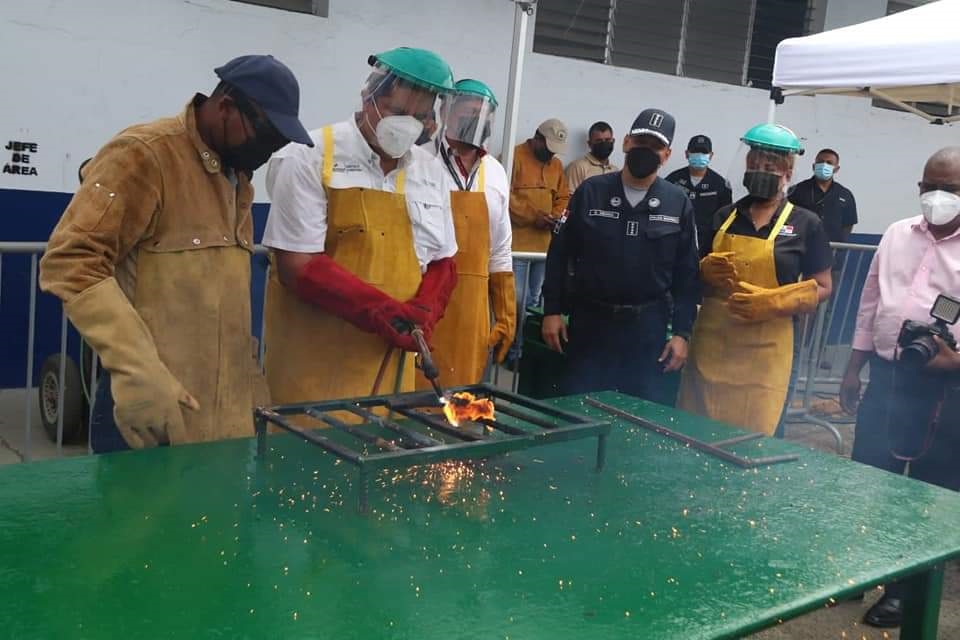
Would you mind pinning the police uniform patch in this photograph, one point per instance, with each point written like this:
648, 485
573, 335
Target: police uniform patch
615, 201
653, 202
661, 218
633, 228
601, 213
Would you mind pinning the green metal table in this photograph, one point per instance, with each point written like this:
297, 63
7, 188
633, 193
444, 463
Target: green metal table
665, 543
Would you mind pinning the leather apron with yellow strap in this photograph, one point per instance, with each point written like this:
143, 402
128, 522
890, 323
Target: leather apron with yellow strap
738, 372
460, 338
314, 355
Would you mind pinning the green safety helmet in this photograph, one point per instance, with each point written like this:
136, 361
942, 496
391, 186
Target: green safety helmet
773, 137
475, 88
418, 66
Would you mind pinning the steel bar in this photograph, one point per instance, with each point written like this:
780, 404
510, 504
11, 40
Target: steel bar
359, 434
737, 439
513, 412
419, 439
435, 422
506, 428
529, 403
317, 439
601, 451
744, 463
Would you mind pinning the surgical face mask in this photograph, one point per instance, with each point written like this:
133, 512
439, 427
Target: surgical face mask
761, 184
939, 207
602, 150
396, 134
699, 160
823, 171
642, 161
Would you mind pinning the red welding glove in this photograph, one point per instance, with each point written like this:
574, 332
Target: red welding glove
436, 287
329, 286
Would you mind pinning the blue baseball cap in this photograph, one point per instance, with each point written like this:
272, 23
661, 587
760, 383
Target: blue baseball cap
272, 85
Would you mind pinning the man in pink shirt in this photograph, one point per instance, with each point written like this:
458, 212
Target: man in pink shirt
910, 415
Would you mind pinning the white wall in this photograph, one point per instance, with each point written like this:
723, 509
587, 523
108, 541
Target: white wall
76, 72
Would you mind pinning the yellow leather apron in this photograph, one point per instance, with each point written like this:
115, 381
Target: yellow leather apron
739, 372
313, 355
460, 338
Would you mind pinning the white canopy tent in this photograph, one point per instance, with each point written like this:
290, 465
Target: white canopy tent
908, 57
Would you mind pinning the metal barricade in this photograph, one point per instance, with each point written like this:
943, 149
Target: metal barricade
33, 251
825, 340
823, 351
523, 262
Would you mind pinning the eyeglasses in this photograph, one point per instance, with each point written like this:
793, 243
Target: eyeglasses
262, 128
932, 186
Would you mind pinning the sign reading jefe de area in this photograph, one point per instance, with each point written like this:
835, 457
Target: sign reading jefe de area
19, 163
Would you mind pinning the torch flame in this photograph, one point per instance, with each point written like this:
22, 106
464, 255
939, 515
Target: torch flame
463, 406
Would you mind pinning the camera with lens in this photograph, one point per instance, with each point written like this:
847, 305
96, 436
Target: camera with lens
917, 347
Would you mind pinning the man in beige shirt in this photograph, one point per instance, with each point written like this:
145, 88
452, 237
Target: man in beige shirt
597, 161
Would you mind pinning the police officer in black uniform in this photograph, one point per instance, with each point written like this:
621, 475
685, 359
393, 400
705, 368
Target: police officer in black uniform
708, 190
623, 263
826, 197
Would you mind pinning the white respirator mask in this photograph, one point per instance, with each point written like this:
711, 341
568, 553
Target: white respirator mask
397, 134
939, 207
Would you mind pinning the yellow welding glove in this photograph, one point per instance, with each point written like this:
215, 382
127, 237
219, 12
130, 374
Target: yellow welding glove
718, 271
147, 398
503, 295
751, 303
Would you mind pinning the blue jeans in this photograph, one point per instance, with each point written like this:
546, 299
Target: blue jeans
104, 435
528, 277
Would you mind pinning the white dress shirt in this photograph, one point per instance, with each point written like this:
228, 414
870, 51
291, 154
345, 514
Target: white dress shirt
298, 211
497, 192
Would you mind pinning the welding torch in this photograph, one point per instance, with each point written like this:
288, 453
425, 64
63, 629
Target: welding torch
426, 363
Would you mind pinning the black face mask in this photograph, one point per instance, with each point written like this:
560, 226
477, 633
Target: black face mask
601, 150
642, 161
254, 152
543, 154
761, 184
249, 156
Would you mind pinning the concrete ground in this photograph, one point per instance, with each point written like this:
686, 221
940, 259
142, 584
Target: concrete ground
841, 621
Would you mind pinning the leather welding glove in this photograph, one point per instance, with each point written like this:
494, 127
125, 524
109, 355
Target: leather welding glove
751, 303
434, 293
326, 284
718, 271
503, 295
148, 399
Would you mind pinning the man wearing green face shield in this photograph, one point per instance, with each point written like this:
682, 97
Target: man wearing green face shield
362, 238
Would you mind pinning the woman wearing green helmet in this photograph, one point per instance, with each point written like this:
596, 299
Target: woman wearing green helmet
767, 263
363, 241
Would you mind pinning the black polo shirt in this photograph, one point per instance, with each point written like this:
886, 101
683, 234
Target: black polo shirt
801, 248
605, 250
835, 206
708, 195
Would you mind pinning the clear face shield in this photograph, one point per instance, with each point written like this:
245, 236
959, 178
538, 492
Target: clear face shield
396, 110
763, 173
468, 118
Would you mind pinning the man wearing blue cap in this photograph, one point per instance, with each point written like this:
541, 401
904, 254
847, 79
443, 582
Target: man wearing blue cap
152, 250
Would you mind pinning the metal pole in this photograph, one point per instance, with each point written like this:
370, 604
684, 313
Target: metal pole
62, 381
30, 338
94, 383
522, 10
